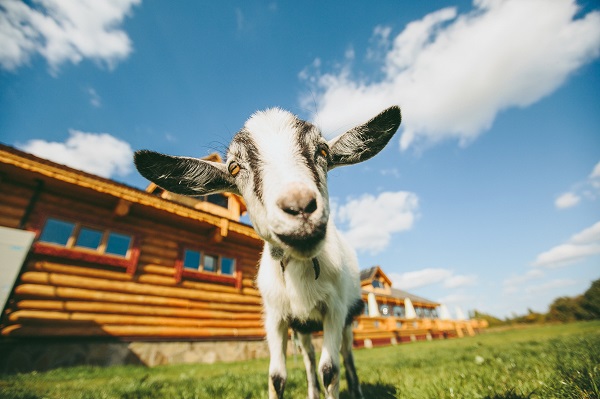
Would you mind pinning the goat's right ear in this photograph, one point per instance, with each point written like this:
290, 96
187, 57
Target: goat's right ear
182, 175
365, 141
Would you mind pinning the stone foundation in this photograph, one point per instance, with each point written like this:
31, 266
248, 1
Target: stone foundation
25, 356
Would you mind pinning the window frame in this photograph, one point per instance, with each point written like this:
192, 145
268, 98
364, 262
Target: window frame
187, 273
85, 254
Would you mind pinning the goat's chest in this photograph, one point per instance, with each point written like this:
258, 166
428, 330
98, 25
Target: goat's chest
298, 294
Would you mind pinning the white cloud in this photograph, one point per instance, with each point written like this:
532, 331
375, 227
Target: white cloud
513, 283
566, 200
430, 276
460, 281
452, 74
369, 222
579, 247
550, 286
595, 172
588, 189
97, 153
95, 99
63, 31
419, 278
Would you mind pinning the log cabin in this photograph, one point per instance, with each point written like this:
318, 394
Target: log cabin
105, 273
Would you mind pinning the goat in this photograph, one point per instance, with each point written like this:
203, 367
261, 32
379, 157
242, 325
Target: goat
308, 275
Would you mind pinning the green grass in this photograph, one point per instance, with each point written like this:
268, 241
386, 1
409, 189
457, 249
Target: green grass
552, 361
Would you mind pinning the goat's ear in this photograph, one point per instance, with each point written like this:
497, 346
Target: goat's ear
365, 141
182, 175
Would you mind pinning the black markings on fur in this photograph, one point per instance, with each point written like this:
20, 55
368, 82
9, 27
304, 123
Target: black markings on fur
356, 309
182, 175
305, 241
303, 132
276, 252
305, 326
365, 141
244, 140
316, 267
278, 384
330, 372
351, 376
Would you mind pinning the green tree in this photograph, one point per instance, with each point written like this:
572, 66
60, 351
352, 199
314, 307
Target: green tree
590, 301
566, 309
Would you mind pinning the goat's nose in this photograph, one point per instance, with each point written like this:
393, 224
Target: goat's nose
298, 201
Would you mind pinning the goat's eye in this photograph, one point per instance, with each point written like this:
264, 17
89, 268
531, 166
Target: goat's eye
323, 151
234, 168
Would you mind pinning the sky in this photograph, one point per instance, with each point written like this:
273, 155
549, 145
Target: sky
488, 196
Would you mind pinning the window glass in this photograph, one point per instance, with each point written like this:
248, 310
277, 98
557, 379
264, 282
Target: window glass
191, 259
227, 265
57, 231
218, 199
399, 311
89, 238
376, 284
366, 311
118, 244
210, 263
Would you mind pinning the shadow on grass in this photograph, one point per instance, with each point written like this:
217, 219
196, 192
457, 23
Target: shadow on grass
379, 391
510, 394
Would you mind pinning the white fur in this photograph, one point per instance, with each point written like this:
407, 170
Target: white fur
293, 292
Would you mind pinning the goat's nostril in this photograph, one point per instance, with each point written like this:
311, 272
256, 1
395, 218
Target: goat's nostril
297, 203
311, 206
291, 210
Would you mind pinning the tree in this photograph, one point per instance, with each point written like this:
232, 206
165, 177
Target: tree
590, 301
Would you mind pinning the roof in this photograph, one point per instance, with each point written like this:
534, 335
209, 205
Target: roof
66, 174
370, 273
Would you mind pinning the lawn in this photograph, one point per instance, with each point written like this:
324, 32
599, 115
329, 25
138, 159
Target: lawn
550, 361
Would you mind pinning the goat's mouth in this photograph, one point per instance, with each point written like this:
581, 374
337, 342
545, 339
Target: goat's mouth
304, 244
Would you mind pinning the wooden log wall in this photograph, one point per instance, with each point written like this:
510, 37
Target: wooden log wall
63, 297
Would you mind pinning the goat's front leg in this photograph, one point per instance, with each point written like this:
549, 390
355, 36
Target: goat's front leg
351, 376
277, 334
308, 353
329, 364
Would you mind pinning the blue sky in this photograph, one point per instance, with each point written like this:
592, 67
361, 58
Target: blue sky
489, 195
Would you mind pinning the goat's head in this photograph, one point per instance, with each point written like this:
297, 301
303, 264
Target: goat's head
278, 164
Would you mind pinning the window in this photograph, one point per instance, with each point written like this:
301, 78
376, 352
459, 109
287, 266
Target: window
87, 243
366, 311
197, 264
57, 232
218, 199
193, 259
376, 284
398, 311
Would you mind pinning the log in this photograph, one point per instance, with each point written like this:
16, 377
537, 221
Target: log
18, 330
158, 280
94, 295
124, 308
44, 317
134, 288
79, 271
153, 240
159, 251
11, 211
8, 221
157, 269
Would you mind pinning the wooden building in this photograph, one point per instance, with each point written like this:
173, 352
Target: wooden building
393, 316
115, 274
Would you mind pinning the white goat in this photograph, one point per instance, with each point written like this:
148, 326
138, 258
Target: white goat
308, 275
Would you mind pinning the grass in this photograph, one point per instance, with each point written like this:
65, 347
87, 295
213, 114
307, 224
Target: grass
551, 361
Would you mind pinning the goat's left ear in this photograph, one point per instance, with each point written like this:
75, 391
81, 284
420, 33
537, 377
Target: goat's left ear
182, 175
365, 141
